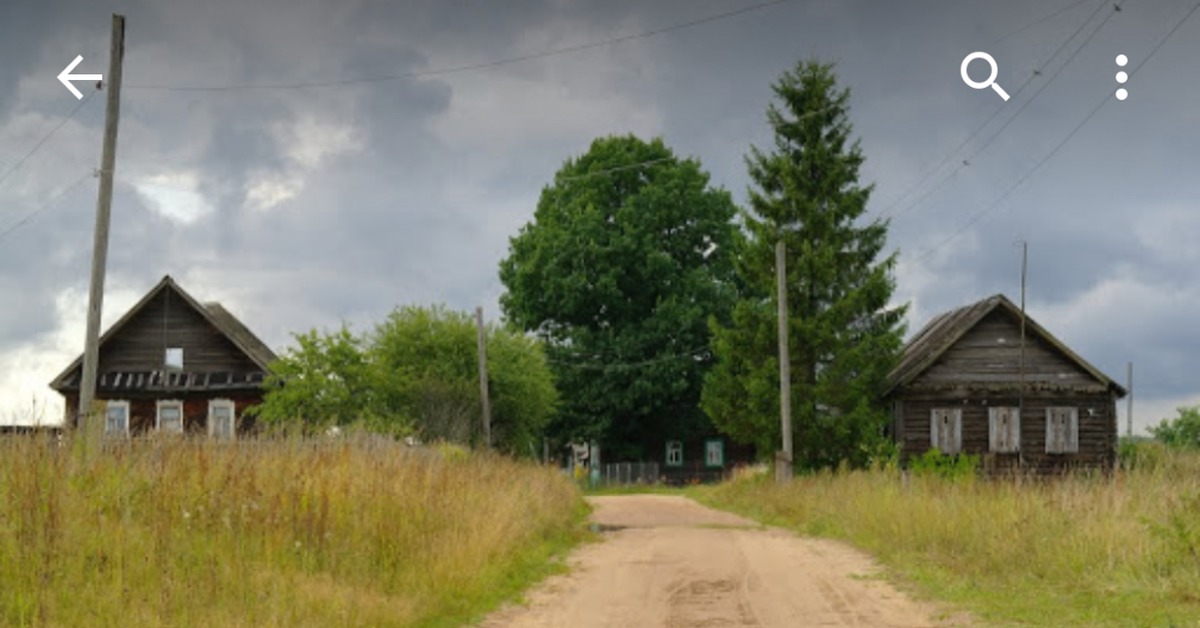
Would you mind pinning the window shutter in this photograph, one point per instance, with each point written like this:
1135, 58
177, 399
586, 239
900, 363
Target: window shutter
945, 430
1004, 429
956, 425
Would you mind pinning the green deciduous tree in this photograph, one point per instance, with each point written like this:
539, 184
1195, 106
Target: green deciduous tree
844, 337
1182, 431
417, 371
618, 274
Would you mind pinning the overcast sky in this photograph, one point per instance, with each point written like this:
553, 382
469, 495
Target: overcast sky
308, 206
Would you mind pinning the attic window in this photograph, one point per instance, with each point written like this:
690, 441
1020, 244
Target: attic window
174, 358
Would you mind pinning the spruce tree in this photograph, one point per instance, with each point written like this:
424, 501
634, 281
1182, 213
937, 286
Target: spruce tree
844, 334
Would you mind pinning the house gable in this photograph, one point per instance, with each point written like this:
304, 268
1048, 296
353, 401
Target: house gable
989, 354
978, 347
215, 347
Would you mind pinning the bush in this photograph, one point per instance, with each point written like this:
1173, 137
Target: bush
935, 463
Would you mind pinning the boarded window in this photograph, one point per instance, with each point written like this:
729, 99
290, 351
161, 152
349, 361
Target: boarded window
170, 417
674, 453
1004, 430
221, 419
714, 453
116, 418
945, 430
1062, 430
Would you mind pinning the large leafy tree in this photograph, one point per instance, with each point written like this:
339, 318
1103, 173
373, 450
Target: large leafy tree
844, 335
417, 371
626, 259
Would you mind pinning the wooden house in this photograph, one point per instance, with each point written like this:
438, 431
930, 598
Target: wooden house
174, 365
971, 381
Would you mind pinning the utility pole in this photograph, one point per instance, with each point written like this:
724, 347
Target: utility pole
783, 460
483, 378
1129, 400
108, 160
1021, 366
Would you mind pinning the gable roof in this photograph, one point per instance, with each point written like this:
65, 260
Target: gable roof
947, 328
216, 315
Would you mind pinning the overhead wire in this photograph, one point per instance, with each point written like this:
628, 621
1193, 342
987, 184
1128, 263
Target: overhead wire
1041, 20
977, 216
45, 138
48, 204
887, 211
618, 366
470, 67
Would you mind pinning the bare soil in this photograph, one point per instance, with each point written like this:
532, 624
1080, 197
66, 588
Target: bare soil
668, 561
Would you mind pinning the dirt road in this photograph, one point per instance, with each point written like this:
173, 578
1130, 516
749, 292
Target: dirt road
667, 561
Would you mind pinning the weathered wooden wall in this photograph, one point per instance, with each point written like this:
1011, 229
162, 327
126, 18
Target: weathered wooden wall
142, 409
983, 369
990, 354
1097, 429
168, 321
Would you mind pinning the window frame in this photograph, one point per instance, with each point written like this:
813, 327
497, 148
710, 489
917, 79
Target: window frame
674, 446
1013, 444
1071, 430
935, 432
158, 418
720, 451
170, 364
108, 407
213, 405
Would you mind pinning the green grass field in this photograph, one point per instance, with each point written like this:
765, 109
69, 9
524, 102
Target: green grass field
271, 533
1088, 551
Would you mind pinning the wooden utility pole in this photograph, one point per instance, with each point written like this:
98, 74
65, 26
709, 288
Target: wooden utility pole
1021, 365
783, 460
483, 378
108, 161
1129, 400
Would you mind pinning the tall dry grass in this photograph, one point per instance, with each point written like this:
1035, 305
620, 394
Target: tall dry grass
269, 533
1121, 550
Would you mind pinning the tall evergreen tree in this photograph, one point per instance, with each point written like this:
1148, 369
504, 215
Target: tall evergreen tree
844, 336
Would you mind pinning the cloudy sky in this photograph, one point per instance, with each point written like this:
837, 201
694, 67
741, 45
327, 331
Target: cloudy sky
309, 162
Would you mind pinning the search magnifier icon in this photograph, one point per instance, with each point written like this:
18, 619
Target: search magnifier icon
991, 79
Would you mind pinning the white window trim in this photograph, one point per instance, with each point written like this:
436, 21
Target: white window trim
213, 404
124, 405
170, 364
1072, 444
708, 450
675, 446
934, 423
1014, 429
164, 403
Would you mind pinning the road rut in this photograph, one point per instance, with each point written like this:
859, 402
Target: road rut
668, 561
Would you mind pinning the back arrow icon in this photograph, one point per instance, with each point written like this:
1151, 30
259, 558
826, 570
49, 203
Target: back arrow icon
65, 77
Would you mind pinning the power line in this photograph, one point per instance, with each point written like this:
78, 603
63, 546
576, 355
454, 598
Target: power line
887, 211
1040, 20
619, 366
20, 162
471, 66
979, 215
45, 206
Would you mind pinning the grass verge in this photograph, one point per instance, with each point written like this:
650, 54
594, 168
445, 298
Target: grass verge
1072, 551
272, 533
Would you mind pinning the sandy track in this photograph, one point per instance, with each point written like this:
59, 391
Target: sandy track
667, 561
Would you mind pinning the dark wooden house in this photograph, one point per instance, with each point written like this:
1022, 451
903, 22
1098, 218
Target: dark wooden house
711, 458
175, 365
971, 382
